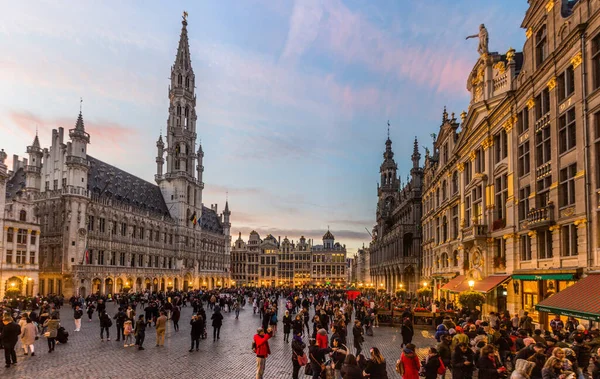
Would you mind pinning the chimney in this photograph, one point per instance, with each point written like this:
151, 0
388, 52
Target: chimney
61, 134
279, 239
15, 162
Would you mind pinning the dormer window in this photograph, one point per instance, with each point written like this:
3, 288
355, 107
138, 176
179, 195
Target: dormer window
541, 46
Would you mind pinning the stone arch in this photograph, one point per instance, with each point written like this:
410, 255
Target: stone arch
163, 284
108, 286
120, 285
96, 286
155, 285
176, 283
187, 282
138, 284
407, 244
455, 258
444, 260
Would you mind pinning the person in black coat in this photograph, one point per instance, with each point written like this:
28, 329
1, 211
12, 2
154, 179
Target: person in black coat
407, 332
297, 351
432, 364
9, 338
297, 324
350, 369
217, 322
287, 326
488, 365
105, 324
463, 362
316, 356
196, 332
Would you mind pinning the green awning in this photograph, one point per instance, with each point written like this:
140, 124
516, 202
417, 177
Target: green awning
545, 277
567, 312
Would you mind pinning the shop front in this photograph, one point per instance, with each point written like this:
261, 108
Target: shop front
581, 300
494, 287
534, 287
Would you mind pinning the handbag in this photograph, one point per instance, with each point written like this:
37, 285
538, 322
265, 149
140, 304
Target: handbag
47, 334
308, 371
302, 359
400, 367
322, 365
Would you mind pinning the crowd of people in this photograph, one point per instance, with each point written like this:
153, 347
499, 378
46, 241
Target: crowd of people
320, 323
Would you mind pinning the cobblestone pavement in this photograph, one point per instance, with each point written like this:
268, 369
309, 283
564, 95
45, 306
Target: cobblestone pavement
85, 356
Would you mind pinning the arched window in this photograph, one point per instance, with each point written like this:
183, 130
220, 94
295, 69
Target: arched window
455, 258
22, 215
178, 110
444, 229
444, 190
444, 260
187, 82
437, 262
179, 79
187, 115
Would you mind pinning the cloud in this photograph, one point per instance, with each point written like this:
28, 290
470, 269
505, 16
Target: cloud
317, 234
304, 29
106, 135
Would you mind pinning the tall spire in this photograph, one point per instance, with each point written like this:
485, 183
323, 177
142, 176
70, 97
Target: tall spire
79, 124
182, 60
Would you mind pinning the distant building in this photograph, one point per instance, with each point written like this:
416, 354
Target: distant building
20, 242
272, 262
396, 247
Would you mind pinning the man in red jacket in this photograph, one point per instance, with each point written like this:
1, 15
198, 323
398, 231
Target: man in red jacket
261, 348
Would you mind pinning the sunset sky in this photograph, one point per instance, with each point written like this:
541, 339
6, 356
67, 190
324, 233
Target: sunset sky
293, 97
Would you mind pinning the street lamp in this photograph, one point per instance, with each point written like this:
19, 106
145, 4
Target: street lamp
12, 284
471, 284
424, 284
401, 285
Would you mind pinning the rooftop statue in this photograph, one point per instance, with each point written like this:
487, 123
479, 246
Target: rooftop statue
482, 48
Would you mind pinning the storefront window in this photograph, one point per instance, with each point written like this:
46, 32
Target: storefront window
530, 298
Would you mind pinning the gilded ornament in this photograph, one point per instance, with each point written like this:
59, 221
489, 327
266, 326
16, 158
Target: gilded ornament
460, 167
500, 67
580, 223
576, 60
551, 84
510, 54
579, 174
532, 233
463, 116
529, 33
530, 103
472, 155
549, 5
554, 228
508, 125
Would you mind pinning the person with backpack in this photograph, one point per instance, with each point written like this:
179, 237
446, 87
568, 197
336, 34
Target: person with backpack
273, 321
105, 324
260, 346
433, 364
120, 318
127, 333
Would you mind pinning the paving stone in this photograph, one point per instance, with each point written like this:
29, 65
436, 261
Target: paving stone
85, 356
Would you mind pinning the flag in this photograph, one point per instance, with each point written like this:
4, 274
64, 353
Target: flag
194, 219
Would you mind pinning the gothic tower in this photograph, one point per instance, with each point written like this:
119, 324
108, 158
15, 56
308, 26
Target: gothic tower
180, 187
416, 172
33, 170
387, 191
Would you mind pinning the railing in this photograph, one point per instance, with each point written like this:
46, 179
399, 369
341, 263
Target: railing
538, 217
34, 169
543, 170
475, 231
500, 81
542, 122
71, 159
68, 190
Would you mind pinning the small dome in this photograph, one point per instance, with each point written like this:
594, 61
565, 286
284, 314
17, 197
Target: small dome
328, 236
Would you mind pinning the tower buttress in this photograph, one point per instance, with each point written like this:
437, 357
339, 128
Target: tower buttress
160, 147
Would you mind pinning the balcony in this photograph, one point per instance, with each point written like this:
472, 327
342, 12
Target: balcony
71, 159
542, 122
543, 170
540, 217
474, 231
33, 169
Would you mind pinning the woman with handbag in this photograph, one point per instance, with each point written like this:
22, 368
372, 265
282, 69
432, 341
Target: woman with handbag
299, 359
316, 358
51, 324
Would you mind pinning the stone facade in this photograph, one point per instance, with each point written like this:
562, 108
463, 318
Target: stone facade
105, 230
272, 262
525, 156
396, 247
20, 241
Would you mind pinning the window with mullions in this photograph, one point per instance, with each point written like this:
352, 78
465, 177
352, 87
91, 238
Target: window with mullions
543, 148
544, 239
569, 241
524, 202
542, 104
541, 46
596, 60
566, 131
523, 121
566, 84
501, 188
567, 185
500, 146
523, 159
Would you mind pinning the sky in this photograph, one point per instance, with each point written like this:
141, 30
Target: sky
293, 97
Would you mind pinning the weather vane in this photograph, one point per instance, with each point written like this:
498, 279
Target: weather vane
388, 129
185, 14
80, 103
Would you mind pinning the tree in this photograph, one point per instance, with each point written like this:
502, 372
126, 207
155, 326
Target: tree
471, 299
424, 291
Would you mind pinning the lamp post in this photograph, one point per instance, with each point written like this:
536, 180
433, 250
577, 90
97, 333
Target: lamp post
471, 284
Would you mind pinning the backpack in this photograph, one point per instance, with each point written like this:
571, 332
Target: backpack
109, 323
274, 319
442, 369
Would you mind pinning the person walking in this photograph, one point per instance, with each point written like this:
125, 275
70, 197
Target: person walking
287, 326
77, 315
357, 333
316, 358
175, 316
28, 335
9, 338
196, 331
90, 310
410, 363
161, 329
298, 353
407, 332
262, 350
51, 324
217, 322
140, 332
105, 324
128, 333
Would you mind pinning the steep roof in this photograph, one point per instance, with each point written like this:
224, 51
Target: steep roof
210, 221
328, 236
15, 184
109, 181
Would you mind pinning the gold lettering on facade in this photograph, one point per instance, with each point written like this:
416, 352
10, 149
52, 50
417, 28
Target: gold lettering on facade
576, 60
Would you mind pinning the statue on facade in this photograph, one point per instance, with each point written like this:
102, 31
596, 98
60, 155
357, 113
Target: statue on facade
482, 48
